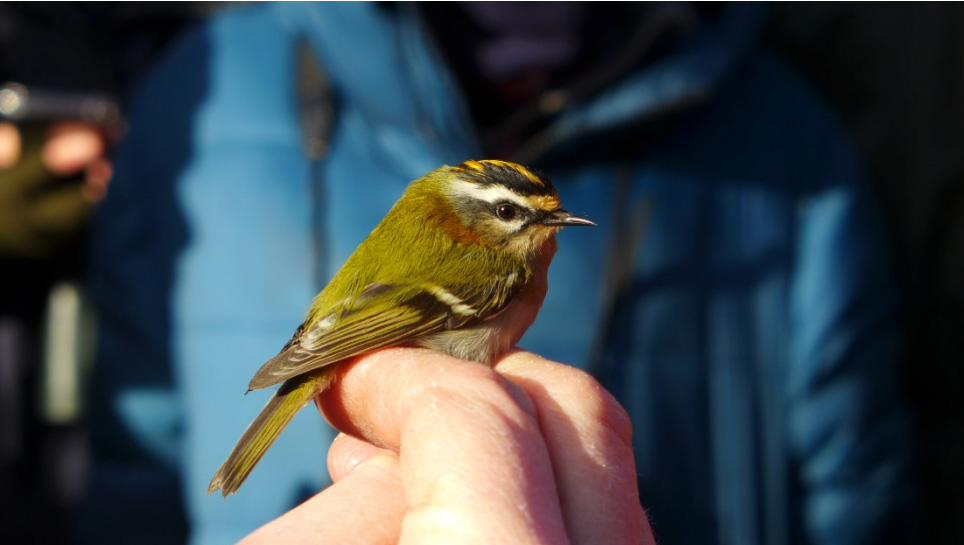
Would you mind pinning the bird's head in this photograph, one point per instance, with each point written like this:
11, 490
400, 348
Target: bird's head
498, 204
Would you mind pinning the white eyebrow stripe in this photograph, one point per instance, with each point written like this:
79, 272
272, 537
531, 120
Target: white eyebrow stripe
492, 193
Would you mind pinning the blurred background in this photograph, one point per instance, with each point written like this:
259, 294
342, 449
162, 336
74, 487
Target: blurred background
73, 77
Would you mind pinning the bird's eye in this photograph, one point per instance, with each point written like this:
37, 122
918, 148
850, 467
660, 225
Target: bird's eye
505, 211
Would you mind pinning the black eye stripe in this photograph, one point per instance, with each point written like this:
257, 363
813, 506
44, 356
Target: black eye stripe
506, 211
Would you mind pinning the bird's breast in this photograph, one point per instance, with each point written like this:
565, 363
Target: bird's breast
487, 340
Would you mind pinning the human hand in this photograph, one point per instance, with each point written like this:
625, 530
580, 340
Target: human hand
69, 148
440, 450
72, 147
9, 145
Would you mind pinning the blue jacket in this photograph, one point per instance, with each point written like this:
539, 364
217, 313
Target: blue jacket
735, 297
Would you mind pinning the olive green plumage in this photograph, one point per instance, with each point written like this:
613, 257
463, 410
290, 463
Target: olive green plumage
458, 264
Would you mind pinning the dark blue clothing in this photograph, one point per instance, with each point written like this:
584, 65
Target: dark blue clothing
735, 297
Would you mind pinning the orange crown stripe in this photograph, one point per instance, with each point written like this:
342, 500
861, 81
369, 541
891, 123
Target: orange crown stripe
480, 166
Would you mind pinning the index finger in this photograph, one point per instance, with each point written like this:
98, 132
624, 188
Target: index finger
475, 468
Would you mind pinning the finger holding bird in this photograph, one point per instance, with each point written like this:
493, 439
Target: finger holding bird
458, 265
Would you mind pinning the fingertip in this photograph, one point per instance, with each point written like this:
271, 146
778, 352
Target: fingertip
97, 176
347, 454
10, 145
70, 147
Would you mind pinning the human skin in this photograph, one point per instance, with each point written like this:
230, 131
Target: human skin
437, 450
9, 145
69, 148
72, 147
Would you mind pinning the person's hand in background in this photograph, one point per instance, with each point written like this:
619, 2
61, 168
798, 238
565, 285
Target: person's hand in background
440, 450
69, 148
74, 147
9, 145
51, 176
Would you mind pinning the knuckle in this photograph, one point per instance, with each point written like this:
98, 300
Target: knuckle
474, 389
595, 402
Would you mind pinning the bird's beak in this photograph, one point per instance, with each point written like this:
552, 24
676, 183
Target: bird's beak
562, 218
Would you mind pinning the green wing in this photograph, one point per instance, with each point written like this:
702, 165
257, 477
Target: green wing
387, 314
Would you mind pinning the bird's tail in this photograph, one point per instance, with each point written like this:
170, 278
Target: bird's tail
261, 433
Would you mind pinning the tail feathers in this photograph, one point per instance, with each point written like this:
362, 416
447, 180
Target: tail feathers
262, 432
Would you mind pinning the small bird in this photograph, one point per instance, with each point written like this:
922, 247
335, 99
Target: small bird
458, 264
